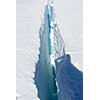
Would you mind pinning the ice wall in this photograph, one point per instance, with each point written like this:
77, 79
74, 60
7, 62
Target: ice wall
45, 71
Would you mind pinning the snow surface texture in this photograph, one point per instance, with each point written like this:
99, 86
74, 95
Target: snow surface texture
29, 12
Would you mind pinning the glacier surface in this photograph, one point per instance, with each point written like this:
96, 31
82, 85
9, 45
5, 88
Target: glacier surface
56, 78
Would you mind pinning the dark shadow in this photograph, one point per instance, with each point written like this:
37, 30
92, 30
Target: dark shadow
69, 79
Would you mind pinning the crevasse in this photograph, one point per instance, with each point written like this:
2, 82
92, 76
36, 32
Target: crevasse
54, 69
